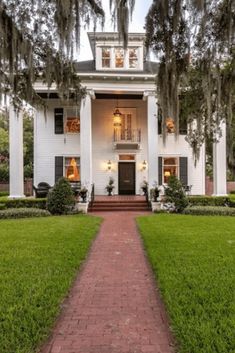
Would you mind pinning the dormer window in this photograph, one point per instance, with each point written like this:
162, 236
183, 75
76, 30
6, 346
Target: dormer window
119, 57
115, 57
133, 58
106, 57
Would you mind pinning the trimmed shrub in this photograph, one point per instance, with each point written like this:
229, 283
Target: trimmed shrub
24, 203
2, 206
60, 199
210, 211
23, 213
4, 193
175, 194
232, 192
208, 200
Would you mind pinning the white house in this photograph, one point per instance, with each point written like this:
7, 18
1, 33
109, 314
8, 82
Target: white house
115, 133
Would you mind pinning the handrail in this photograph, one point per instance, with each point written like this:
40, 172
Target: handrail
127, 135
92, 194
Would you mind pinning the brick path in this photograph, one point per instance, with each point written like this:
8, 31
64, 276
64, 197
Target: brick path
114, 306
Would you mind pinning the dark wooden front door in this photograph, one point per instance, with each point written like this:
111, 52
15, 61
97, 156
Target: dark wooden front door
126, 178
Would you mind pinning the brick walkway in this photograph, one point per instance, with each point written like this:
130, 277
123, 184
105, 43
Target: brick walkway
114, 306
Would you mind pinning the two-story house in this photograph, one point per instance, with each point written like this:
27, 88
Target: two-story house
116, 133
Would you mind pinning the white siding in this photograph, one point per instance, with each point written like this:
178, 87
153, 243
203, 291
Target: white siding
47, 145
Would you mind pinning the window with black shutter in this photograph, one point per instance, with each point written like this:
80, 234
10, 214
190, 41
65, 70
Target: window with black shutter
59, 167
184, 170
59, 120
159, 170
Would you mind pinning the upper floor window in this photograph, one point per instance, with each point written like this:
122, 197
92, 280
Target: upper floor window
119, 57
133, 58
106, 57
72, 121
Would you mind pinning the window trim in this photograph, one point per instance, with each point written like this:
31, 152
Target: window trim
170, 165
64, 167
99, 59
66, 117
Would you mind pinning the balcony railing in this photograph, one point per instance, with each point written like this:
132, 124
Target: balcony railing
127, 135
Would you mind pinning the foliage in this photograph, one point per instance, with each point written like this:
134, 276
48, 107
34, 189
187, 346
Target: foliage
4, 172
60, 199
23, 203
22, 213
4, 193
193, 259
144, 186
194, 41
154, 193
110, 186
210, 210
208, 200
40, 258
41, 42
175, 194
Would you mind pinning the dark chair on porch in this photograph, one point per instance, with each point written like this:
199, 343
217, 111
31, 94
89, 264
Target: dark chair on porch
42, 189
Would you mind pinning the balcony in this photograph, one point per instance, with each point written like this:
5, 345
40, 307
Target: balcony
127, 139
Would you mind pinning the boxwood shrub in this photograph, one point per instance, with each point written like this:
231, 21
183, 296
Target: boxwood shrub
23, 213
24, 203
209, 201
210, 211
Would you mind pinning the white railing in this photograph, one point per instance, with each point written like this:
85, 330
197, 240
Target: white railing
127, 135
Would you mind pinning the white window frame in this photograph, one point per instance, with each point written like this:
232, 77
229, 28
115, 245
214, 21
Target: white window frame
170, 165
77, 112
112, 58
64, 166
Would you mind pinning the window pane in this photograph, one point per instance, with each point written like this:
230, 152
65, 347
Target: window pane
119, 57
105, 57
133, 58
126, 157
169, 171
170, 125
170, 161
72, 122
72, 169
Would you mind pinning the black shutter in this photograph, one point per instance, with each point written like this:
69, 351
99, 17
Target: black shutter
58, 168
59, 120
159, 170
184, 170
159, 127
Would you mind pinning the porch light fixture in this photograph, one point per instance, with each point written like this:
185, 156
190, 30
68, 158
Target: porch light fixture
144, 165
109, 165
117, 118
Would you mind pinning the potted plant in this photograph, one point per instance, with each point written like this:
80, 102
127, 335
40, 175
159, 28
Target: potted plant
83, 194
154, 193
109, 188
144, 187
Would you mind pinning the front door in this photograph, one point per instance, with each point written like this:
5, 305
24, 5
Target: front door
126, 178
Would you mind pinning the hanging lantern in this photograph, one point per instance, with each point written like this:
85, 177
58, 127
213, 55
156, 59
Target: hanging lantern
117, 118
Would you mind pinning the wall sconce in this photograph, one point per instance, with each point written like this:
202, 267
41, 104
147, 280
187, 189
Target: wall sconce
144, 165
109, 165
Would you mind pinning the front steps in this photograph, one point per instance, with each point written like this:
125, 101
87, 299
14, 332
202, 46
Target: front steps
118, 205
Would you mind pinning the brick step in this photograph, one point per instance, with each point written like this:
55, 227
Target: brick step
119, 204
116, 209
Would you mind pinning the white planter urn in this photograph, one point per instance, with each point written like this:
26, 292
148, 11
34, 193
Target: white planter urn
81, 207
156, 206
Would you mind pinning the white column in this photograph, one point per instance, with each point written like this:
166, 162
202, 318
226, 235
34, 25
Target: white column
86, 141
16, 153
220, 164
152, 128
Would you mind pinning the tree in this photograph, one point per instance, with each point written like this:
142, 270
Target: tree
194, 41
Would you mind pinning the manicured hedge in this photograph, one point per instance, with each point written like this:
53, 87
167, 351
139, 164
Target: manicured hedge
4, 193
210, 211
209, 201
24, 203
23, 213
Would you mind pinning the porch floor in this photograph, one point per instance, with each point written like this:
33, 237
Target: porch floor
118, 198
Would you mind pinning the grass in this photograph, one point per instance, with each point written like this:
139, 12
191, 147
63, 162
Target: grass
193, 258
39, 259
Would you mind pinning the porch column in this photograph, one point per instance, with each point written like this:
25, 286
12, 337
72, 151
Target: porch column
152, 129
220, 164
16, 153
86, 141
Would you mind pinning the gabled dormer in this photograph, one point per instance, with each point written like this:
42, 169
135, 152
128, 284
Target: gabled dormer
109, 54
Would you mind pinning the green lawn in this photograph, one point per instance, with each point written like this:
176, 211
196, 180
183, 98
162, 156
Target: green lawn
193, 258
39, 259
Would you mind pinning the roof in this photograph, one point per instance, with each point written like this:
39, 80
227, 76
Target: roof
112, 36
150, 67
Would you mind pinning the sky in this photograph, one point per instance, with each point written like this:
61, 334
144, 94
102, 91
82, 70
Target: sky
137, 25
